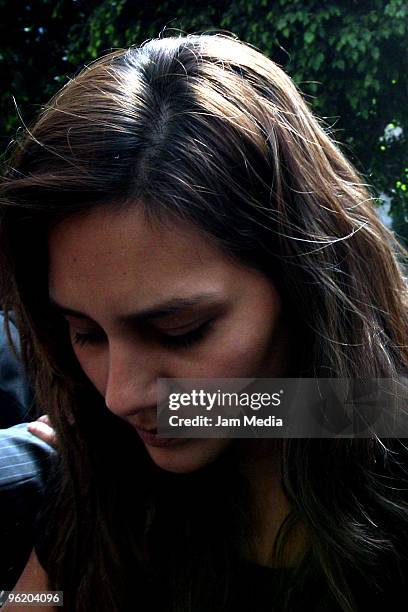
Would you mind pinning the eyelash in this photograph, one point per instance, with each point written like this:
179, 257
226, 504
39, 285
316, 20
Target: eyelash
186, 340
182, 341
82, 339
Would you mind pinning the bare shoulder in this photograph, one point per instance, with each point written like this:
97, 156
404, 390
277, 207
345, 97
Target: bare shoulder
33, 579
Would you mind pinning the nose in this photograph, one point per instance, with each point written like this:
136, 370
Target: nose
131, 382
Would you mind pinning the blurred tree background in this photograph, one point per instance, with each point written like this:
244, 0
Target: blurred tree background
349, 57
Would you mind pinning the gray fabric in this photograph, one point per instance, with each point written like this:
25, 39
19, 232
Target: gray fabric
24, 465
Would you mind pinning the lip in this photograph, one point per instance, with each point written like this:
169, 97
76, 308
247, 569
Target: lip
150, 437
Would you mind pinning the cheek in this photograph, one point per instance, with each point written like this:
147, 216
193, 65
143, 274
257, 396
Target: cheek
95, 367
248, 347
239, 360
239, 355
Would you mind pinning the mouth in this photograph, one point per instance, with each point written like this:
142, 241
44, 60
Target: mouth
150, 437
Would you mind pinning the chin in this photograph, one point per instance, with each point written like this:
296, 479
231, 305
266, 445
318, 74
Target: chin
188, 456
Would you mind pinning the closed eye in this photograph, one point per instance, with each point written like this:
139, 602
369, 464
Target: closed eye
168, 340
185, 340
82, 338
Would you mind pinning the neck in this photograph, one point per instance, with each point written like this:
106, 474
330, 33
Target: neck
260, 465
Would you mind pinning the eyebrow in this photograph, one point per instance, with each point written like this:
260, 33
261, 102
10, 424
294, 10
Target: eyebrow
157, 311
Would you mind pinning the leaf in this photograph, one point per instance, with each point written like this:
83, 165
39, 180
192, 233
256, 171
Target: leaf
318, 60
308, 37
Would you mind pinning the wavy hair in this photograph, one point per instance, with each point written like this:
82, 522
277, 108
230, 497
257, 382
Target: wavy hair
207, 129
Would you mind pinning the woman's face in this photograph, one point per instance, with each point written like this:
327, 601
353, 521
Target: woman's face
146, 302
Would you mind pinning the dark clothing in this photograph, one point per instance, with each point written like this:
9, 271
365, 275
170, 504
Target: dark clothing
23, 459
256, 589
16, 399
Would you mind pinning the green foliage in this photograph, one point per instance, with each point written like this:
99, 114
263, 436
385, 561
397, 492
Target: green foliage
349, 57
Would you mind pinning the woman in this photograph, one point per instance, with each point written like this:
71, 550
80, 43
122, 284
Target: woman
178, 212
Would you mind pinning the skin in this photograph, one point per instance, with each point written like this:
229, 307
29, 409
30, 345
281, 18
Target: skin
42, 429
109, 266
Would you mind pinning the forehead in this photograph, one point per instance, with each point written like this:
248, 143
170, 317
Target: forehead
110, 253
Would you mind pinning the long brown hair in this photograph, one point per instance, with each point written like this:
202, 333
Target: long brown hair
207, 129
